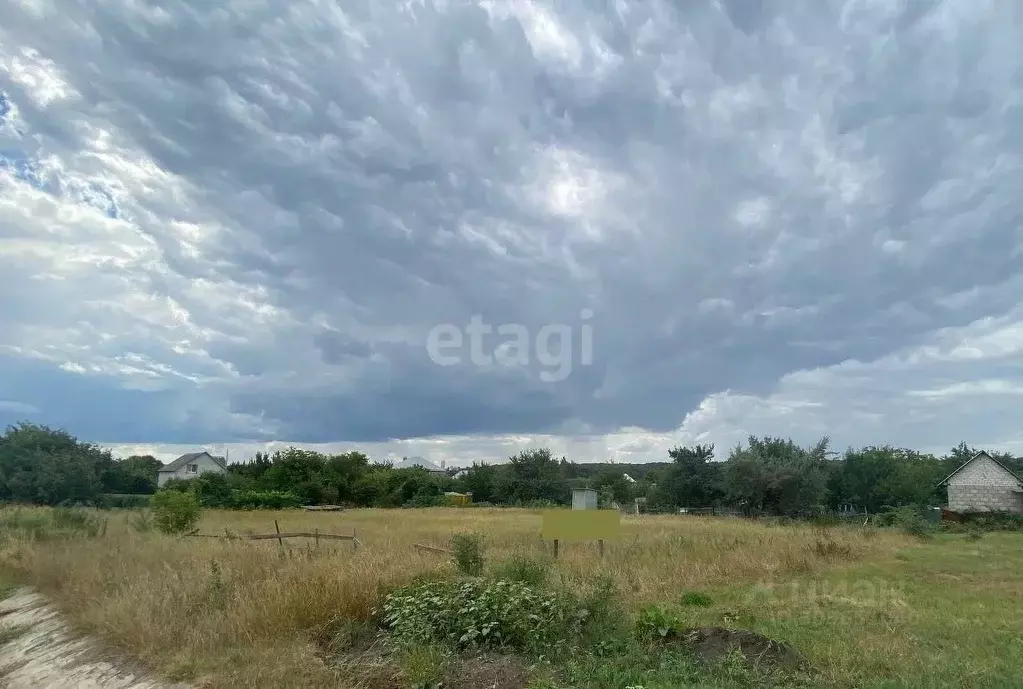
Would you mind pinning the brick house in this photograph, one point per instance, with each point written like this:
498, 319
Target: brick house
982, 484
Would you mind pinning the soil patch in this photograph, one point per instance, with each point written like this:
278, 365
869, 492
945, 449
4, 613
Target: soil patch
713, 643
486, 671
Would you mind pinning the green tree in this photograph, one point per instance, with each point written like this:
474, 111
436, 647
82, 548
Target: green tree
135, 474
481, 481
535, 475
776, 475
692, 480
46, 466
613, 480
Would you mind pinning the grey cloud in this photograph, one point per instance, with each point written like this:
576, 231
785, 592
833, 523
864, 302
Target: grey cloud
364, 173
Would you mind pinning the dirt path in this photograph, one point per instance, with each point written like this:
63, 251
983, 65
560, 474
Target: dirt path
39, 650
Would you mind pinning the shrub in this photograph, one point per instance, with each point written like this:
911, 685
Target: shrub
264, 499
696, 598
468, 551
654, 623
481, 613
175, 512
523, 569
992, 521
911, 520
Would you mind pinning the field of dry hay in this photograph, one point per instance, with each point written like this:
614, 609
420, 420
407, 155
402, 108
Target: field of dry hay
228, 613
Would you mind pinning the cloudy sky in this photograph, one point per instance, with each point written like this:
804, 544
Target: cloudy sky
237, 224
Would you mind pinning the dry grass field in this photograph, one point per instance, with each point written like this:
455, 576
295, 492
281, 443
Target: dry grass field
867, 607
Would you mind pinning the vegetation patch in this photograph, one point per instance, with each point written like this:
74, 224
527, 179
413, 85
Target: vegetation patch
175, 512
696, 598
47, 524
478, 613
468, 553
528, 570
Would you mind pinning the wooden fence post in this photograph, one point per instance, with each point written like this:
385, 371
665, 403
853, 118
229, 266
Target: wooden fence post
555, 549
355, 540
600, 547
280, 541
316, 537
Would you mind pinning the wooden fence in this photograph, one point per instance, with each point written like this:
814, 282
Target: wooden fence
281, 535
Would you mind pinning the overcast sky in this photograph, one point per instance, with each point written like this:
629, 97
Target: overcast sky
237, 223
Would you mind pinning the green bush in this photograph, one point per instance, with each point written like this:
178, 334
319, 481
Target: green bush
654, 623
523, 569
481, 613
911, 520
175, 512
992, 521
696, 598
468, 549
264, 499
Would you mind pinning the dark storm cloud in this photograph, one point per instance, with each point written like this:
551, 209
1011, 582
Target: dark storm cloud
278, 203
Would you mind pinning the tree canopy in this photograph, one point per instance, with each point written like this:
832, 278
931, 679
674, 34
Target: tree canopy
765, 475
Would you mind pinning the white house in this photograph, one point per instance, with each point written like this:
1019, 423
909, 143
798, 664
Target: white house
410, 462
189, 466
982, 484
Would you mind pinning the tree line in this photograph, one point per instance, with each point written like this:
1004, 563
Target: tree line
765, 475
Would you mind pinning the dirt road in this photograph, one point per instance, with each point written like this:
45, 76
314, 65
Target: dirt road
39, 650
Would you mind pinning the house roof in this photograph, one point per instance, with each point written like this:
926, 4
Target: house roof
189, 458
970, 461
410, 462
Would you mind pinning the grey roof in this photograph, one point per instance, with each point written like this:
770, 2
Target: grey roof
189, 458
981, 454
410, 462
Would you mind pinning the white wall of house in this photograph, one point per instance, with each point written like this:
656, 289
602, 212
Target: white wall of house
199, 465
983, 486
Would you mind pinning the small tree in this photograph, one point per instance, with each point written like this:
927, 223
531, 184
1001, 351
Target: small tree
468, 553
175, 512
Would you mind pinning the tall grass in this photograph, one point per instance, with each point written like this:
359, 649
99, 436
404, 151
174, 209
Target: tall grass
245, 613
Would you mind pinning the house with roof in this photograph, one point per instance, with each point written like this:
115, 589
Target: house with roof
189, 466
983, 484
422, 463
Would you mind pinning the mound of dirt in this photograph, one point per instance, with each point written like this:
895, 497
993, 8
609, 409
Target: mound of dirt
713, 643
486, 671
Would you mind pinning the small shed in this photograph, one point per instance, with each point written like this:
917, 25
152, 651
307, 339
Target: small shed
982, 484
584, 499
454, 498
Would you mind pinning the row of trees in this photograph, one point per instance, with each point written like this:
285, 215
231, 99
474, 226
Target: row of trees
765, 475
49, 467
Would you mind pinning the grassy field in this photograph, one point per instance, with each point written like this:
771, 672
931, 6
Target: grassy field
865, 607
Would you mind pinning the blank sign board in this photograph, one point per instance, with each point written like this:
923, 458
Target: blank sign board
581, 525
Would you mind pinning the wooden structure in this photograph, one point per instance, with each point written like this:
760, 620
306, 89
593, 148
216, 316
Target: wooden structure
454, 498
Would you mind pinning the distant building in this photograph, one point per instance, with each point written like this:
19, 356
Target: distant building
628, 479
982, 484
458, 498
189, 466
422, 463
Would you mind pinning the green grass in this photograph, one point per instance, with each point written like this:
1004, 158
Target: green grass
945, 613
